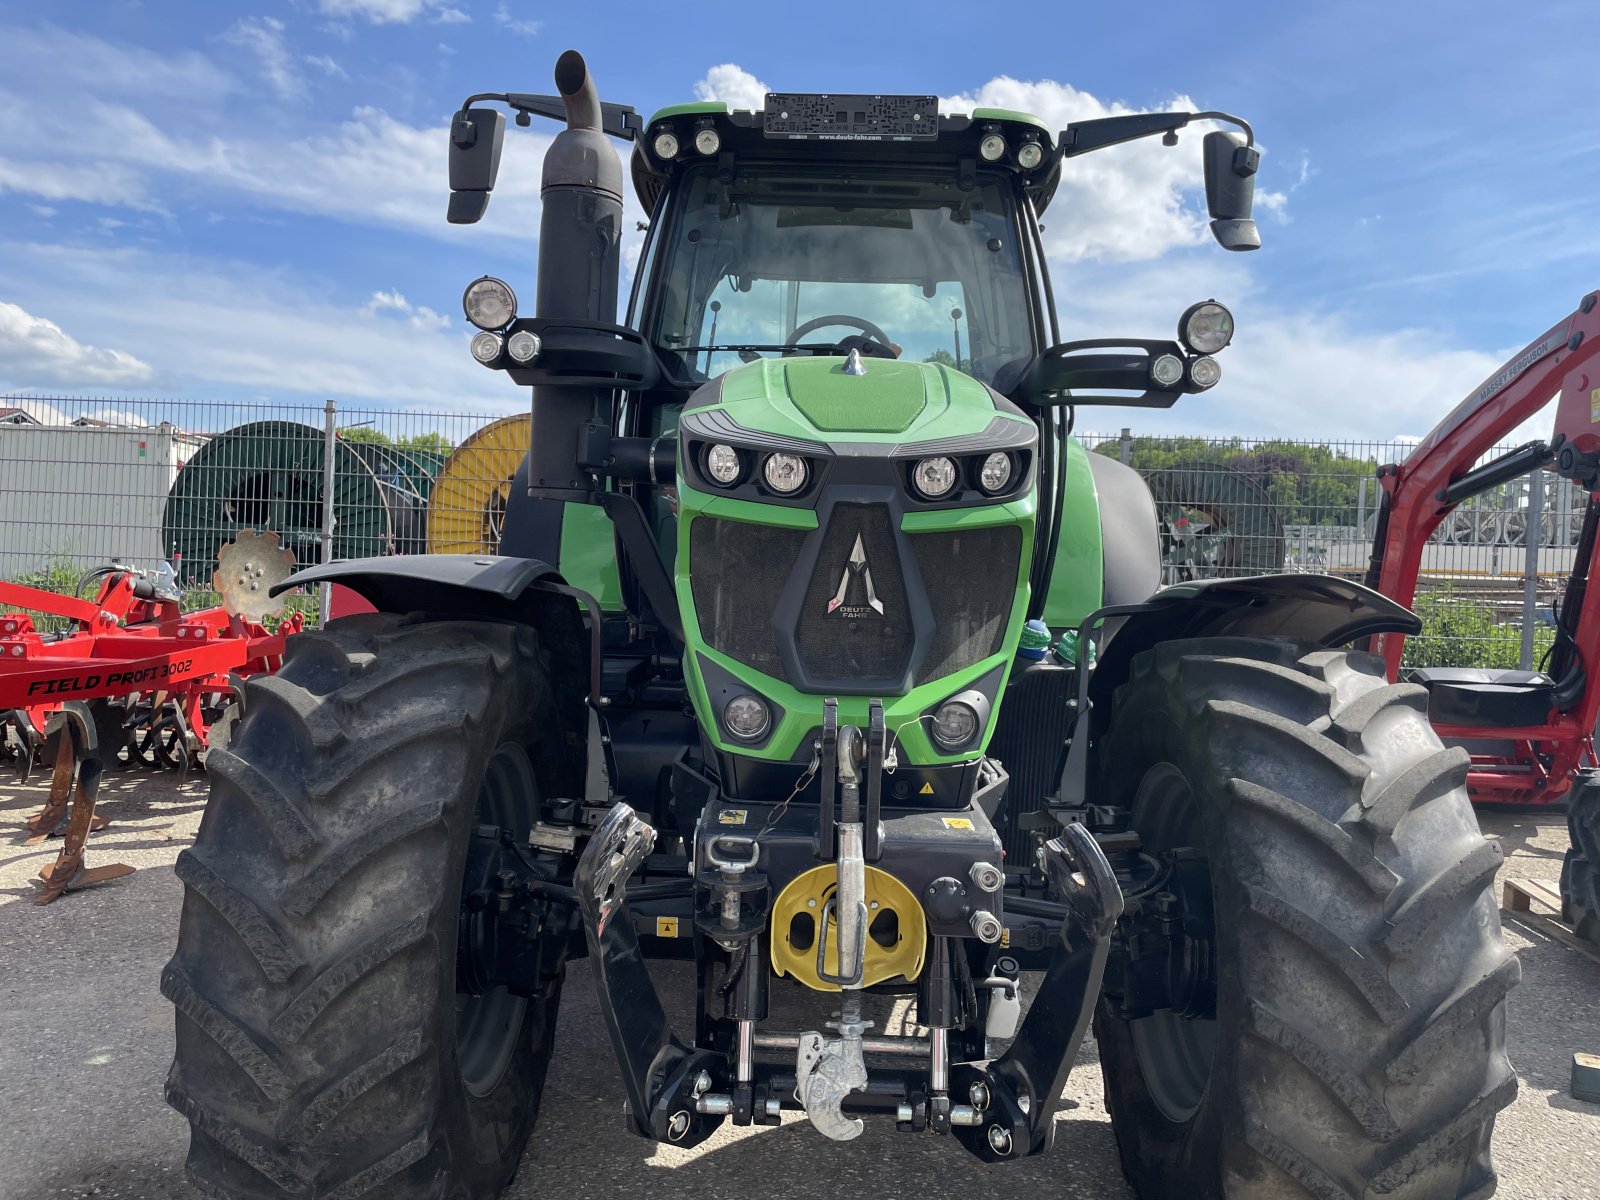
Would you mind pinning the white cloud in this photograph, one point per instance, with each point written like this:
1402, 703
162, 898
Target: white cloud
371, 168
418, 316
1125, 204
38, 352
46, 54
263, 37
522, 25
221, 329
392, 12
734, 86
327, 65
1289, 372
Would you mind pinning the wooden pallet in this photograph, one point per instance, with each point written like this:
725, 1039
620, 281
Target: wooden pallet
1517, 896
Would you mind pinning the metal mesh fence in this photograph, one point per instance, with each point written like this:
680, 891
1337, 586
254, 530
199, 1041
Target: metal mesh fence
1232, 506
85, 482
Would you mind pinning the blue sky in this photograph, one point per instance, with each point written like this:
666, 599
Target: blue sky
245, 202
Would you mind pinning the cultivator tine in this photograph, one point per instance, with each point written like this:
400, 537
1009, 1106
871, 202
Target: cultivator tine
48, 819
80, 748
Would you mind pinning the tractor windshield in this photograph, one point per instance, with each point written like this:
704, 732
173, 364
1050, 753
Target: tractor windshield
775, 263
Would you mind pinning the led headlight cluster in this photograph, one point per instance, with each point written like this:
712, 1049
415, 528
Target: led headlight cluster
783, 474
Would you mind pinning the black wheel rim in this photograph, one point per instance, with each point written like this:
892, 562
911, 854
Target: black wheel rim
488, 1025
1175, 1053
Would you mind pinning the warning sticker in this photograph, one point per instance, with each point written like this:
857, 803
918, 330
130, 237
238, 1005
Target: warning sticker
1005, 939
732, 816
1594, 407
927, 790
667, 927
958, 823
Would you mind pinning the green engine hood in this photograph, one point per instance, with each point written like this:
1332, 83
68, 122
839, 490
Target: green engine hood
893, 402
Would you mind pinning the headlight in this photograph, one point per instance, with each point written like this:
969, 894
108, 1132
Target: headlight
707, 141
665, 144
1206, 327
955, 724
746, 718
523, 346
784, 473
489, 303
996, 472
1029, 155
486, 347
1167, 370
723, 464
934, 477
1204, 372
993, 148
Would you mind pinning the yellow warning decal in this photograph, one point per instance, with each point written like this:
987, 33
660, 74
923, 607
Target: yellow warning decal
1594, 407
667, 927
957, 823
927, 790
1005, 939
732, 816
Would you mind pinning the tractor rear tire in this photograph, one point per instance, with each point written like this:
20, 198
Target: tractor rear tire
1356, 1042
322, 1048
1580, 870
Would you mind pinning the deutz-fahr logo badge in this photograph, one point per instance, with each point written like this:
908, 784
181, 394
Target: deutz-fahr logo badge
855, 597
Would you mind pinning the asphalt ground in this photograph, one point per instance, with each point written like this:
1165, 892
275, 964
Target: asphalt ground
86, 1038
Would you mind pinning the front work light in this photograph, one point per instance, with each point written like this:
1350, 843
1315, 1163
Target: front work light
489, 303
486, 347
1206, 327
993, 147
995, 473
523, 346
1205, 372
1167, 370
708, 141
1029, 155
665, 145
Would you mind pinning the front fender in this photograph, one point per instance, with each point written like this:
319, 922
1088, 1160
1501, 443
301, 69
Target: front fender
457, 585
1320, 610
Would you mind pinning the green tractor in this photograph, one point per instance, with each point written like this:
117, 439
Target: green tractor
821, 657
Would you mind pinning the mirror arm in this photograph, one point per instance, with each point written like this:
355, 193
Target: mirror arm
618, 120
1082, 137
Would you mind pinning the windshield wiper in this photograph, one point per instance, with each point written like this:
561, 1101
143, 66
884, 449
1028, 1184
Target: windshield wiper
736, 347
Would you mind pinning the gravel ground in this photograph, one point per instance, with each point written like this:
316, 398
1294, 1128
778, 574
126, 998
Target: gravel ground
85, 1040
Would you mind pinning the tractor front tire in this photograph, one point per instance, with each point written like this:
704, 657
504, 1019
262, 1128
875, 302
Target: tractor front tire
1343, 977
322, 1047
1580, 870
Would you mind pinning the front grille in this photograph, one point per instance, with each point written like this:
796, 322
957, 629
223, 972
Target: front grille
855, 623
737, 572
971, 579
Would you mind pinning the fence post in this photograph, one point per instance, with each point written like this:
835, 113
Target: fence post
330, 444
1530, 565
1361, 511
1126, 444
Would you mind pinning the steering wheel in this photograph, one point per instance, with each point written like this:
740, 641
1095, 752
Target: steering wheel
811, 326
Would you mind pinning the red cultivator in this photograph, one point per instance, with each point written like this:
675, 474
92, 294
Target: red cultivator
130, 670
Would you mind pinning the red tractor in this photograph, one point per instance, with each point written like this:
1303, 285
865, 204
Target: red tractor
1523, 736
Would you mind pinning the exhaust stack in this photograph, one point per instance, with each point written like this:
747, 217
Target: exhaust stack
580, 236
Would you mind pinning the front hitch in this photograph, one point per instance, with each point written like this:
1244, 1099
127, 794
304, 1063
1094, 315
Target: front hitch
1018, 1095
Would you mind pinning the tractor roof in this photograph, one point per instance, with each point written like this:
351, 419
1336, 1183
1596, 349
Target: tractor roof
825, 132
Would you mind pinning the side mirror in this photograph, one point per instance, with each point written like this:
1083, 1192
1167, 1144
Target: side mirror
1231, 166
475, 137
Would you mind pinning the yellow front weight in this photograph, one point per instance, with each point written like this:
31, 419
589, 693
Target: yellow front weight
897, 937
